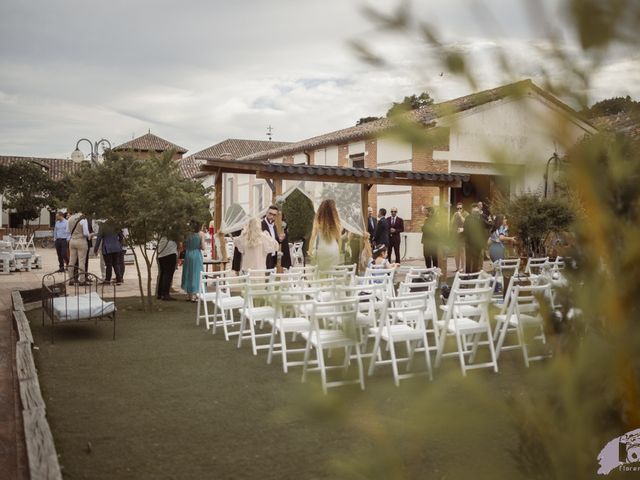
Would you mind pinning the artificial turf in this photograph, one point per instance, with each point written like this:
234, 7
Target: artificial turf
167, 399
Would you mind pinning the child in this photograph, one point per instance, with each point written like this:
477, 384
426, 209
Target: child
379, 259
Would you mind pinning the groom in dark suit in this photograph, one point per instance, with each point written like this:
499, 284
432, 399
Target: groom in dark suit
381, 235
396, 227
269, 226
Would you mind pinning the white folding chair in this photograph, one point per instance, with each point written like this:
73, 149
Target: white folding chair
259, 306
402, 321
523, 311
467, 318
289, 317
228, 297
309, 272
373, 272
431, 312
297, 254
536, 265
319, 338
21, 242
29, 244
205, 293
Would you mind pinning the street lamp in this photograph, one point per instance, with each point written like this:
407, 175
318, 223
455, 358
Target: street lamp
77, 156
556, 164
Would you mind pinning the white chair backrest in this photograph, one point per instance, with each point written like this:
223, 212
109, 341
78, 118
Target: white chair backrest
412, 307
510, 266
536, 265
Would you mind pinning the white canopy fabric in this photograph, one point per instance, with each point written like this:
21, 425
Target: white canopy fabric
348, 204
346, 196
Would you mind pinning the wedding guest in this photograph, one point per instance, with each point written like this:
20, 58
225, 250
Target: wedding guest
254, 244
61, 240
109, 239
167, 261
269, 226
78, 245
193, 261
324, 244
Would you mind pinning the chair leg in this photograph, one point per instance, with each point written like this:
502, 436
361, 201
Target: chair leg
394, 364
461, 354
494, 358
243, 319
321, 365
305, 364
283, 350
360, 368
271, 343
374, 353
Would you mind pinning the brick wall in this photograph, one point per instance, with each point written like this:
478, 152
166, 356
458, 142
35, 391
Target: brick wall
343, 155
371, 161
423, 162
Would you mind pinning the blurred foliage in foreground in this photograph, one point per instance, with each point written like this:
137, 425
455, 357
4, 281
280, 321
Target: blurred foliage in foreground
560, 412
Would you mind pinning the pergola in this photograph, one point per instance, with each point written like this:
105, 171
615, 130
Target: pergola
275, 173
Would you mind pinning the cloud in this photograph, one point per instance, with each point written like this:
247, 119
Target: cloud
199, 71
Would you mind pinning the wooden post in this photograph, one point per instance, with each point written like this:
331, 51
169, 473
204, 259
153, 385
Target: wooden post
444, 216
365, 243
217, 216
276, 192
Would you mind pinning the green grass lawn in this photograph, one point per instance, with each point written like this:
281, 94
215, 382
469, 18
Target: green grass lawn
169, 400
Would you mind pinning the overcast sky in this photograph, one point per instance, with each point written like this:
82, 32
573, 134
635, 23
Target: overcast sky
196, 72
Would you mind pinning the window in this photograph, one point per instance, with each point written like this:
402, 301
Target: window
357, 160
230, 193
259, 197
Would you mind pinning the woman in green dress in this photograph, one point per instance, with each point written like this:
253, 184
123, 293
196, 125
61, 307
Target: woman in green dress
192, 266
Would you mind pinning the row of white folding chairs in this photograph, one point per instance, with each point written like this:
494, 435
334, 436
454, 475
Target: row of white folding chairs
287, 296
522, 311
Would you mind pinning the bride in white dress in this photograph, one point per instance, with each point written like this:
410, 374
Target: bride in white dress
324, 245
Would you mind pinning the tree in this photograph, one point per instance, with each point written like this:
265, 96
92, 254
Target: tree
412, 102
612, 106
298, 212
148, 197
27, 189
533, 219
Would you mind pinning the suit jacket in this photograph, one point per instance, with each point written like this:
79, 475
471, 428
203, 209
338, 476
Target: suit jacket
271, 260
381, 235
394, 238
372, 223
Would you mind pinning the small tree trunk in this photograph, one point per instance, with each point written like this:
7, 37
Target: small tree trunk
135, 257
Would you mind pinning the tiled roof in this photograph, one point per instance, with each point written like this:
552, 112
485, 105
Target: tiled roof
232, 148
623, 122
57, 167
424, 115
149, 143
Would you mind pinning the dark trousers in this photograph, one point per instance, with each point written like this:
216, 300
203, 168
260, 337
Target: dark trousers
430, 259
61, 250
166, 269
271, 262
111, 263
473, 260
395, 249
121, 263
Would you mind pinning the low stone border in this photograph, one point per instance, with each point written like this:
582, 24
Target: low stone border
41, 451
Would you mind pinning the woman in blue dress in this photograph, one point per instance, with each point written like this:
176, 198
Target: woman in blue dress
497, 239
192, 266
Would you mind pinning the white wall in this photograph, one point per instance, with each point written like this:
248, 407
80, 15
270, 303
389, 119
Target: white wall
326, 156
520, 133
394, 155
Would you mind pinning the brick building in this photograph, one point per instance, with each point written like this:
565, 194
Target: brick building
466, 135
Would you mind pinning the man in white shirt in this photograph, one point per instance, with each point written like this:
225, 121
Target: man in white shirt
78, 246
268, 225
